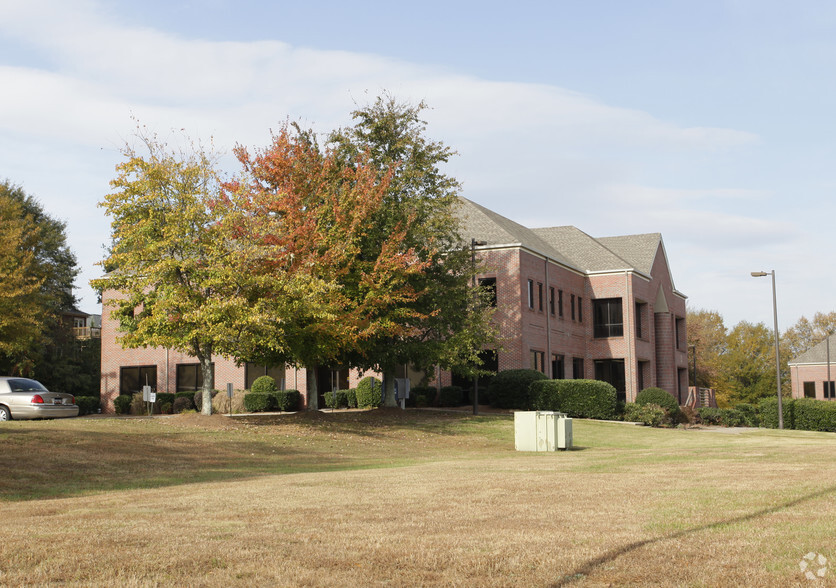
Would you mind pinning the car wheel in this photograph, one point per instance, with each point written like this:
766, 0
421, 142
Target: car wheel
5, 415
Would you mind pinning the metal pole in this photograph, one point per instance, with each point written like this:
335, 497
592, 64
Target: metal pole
829, 392
473, 243
777, 354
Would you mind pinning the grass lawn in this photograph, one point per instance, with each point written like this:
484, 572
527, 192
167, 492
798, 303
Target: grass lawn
415, 498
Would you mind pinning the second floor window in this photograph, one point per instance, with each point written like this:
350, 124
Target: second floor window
607, 317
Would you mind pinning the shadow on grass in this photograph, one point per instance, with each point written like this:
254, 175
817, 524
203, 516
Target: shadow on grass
589, 567
79, 458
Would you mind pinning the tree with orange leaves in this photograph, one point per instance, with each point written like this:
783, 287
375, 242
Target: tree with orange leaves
297, 213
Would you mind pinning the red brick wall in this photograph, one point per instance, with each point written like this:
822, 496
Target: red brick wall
809, 373
525, 329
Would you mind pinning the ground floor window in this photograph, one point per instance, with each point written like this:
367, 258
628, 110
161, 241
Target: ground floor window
190, 377
558, 367
254, 371
132, 379
809, 389
578, 372
829, 389
612, 372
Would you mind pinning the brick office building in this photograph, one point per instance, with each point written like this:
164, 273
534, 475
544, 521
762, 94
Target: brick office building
813, 373
573, 306
569, 305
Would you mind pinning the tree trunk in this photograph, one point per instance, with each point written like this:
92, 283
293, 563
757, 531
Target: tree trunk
313, 393
205, 360
389, 385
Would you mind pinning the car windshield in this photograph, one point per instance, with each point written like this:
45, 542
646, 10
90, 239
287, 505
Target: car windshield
24, 385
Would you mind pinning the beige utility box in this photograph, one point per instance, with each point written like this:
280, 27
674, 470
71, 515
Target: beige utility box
539, 430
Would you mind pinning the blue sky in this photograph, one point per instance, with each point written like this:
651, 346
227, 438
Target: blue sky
710, 122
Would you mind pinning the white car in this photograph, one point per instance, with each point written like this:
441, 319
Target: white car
22, 398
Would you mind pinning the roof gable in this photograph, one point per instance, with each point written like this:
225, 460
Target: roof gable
818, 353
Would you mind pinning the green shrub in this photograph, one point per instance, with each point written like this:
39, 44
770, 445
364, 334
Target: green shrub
814, 415
336, 399
189, 395
768, 412
122, 404
164, 398
510, 389
351, 397
649, 414
748, 414
421, 391
709, 415
138, 405
724, 417
87, 405
286, 400
369, 392
165, 408
264, 385
258, 402
590, 399
451, 396
659, 397
182, 404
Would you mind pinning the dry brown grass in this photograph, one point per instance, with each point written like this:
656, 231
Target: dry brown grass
415, 499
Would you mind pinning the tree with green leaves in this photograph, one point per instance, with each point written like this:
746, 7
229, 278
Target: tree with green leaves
748, 365
449, 322
806, 333
707, 337
37, 270
174, 283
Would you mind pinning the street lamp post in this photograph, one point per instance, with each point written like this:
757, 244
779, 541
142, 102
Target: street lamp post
777, 353
694, 348
473, 245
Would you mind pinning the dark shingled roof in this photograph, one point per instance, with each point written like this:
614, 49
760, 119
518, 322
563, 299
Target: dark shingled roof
567, 245
818, 354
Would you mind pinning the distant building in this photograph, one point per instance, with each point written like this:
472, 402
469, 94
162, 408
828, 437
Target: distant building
813, 372
567, 304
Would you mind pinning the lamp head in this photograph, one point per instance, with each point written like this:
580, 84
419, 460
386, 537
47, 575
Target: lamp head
759, 274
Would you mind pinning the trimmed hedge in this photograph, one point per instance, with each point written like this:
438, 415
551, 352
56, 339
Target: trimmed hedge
421, 396
742, 415
286, 400
264, 385
122, 404
814, 415
189, 395
659, 397
164, 398
768, 412
369, 392
590, 399
182, 404
351, 397
451, 396
336, 399
650, 414
87, 405
510, 389
258, 402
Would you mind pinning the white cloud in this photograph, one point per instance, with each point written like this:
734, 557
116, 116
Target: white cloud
563, 152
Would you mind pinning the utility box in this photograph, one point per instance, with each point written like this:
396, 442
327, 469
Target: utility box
540, 430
